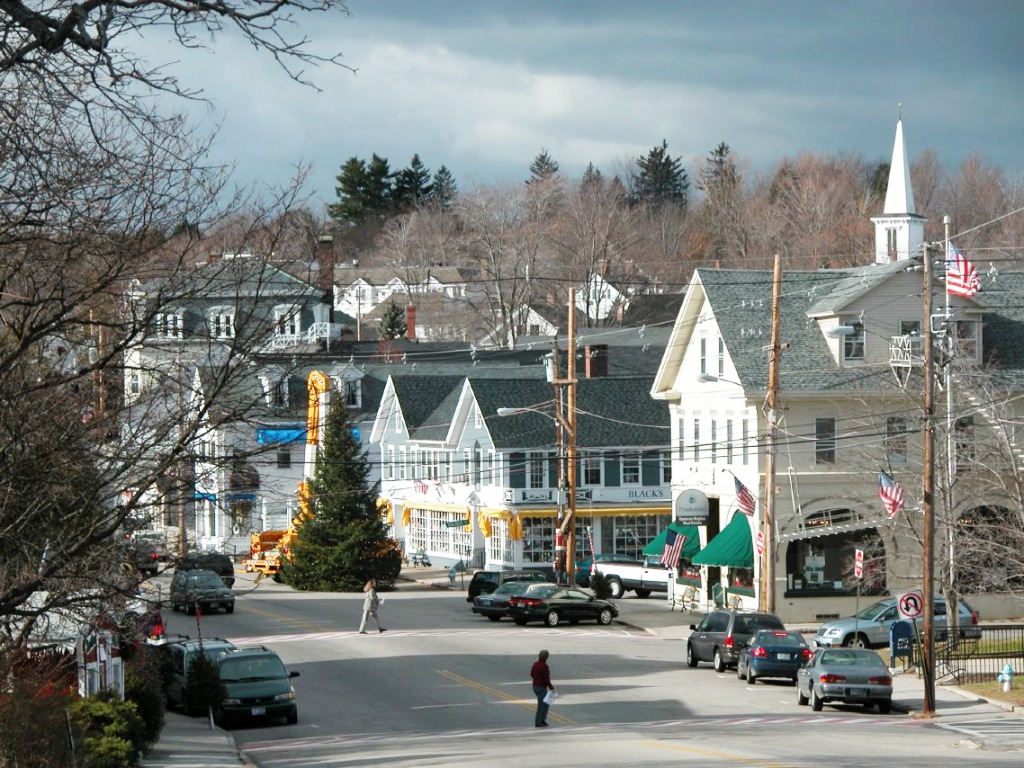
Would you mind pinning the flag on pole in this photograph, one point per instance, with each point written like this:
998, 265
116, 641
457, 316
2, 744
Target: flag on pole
891, 494
673, 548
961, 276
744, 499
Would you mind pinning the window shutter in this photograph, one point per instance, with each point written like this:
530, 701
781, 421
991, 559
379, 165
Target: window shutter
611, 470
517, 470
650, 468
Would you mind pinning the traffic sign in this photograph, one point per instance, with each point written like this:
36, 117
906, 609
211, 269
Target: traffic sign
910, 604
760, 543
456, 524
858, 564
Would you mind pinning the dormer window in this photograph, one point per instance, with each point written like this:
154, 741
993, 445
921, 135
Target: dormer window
286, 321
351, 391
967, 339
222, 323
169, 325
275, 390
853, 343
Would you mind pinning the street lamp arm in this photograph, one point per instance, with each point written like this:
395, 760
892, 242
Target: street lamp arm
556, 417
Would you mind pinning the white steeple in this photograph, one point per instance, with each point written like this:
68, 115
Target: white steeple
899, 231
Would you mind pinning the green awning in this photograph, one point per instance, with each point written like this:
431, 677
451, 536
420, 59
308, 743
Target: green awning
733, 546
692, 546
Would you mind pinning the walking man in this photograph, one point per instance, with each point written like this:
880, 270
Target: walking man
541, 676
371, 606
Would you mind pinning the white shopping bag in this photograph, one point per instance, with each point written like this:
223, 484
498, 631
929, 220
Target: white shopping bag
550, 696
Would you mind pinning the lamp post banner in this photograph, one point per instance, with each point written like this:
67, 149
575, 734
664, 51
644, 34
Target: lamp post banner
692, 508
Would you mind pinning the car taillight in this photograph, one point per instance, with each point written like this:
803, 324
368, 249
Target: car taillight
833, 678
729, 642
154, 556
524, 601
974, 617
880, 680
759, 652
806, 653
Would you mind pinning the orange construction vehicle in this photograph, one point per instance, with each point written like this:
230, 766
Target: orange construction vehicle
265, 552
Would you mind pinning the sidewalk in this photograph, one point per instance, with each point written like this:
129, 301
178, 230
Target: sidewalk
188, 742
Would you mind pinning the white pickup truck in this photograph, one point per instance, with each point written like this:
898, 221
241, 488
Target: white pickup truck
650, 576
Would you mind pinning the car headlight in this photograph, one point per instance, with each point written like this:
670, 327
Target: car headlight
232, 701
285, 696
833, 632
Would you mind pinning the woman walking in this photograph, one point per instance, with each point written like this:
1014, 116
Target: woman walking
541, 676
371, 607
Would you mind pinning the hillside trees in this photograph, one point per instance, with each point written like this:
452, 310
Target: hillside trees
97, 185
344, 543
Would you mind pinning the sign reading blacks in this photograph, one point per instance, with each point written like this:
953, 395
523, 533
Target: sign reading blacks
692, 508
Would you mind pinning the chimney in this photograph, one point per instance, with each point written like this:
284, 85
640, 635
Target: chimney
595, 361
410, 321
325, 260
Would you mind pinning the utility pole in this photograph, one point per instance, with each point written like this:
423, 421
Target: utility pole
927, 634
570, 536
948, 495
767, 591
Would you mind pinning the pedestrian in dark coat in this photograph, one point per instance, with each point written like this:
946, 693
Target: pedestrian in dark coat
540, 674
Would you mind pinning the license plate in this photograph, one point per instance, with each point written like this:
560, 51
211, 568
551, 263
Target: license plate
856, 691
257, 711
783, 656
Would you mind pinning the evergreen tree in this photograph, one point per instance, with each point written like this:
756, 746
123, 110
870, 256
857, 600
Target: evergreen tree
542, 168
661, 178
443, 190
392, 321
412, 186
364, 192
719, 175
591, 177
345, 542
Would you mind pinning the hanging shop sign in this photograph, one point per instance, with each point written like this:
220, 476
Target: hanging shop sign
692, 508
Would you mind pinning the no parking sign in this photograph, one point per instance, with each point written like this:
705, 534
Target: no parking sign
910, 604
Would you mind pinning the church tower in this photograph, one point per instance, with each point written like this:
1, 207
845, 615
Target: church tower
899, 231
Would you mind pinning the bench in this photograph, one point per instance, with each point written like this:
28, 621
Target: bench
419, 557
686, 599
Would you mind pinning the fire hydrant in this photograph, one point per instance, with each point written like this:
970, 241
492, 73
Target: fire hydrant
1006, 677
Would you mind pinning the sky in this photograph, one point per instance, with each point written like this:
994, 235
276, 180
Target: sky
482, 86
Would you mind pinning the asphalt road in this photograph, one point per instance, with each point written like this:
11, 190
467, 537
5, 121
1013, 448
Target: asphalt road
445, 687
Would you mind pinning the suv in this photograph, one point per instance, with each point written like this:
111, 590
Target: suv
205, 589
217, 562
485, 582
180, 654
870, 627
722, 634
256, 686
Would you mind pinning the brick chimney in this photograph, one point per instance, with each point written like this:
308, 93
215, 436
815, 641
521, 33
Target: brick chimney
595, 357
325, 260
410, 321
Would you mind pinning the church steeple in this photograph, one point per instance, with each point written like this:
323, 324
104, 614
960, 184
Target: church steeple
899, 231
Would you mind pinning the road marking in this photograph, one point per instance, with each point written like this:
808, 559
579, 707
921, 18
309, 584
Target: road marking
717, 755
502, 695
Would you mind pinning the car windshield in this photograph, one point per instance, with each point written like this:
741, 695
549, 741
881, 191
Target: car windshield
241, 670
852, 658
512, 588
542, 590
779, 638
873, 610
205, 580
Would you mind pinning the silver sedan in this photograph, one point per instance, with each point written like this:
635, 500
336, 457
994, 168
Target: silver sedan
845, 676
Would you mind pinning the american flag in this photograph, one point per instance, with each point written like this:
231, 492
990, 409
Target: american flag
891, 494
744, 499
961, 276
673, 548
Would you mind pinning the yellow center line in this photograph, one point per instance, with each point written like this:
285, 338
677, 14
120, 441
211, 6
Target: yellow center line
716, 755
288, 621
502, 695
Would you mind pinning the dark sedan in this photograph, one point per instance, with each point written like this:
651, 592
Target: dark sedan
845, 676
495, 604
553, 604
772, 653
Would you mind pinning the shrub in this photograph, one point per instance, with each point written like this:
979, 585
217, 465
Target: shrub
108, 732
203, 688
599, 585
143, 686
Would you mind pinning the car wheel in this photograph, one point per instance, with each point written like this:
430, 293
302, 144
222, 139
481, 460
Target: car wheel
816, 702
605, 616
519, 621
229, 608
643, 592
740, 673
855, 641
293, 716
691, 660
615, 587
190, 609
494, 618
751, 678
720, 664
885, 706
800, 698
551, 619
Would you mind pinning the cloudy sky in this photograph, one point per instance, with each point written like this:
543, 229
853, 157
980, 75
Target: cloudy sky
483, 85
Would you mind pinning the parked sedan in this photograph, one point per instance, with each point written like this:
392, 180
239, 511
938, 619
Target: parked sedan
495, 604
845, 676
772, 653
553, 604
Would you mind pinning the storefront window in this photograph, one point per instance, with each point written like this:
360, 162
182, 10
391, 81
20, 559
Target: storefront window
499, 546
539, 540
628, 534
826, 564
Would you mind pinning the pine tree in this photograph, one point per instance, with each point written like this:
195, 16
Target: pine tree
662, 178
542, 168
345, 542
392, 322
364, 192
443, 190
412, 186
592, 177
719, 175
